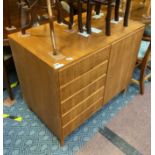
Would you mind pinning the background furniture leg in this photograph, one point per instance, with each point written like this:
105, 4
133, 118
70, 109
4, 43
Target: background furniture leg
71, 15
80, 25
127, 11
7, 82
97, 8
88, 21
108, 18
117, 10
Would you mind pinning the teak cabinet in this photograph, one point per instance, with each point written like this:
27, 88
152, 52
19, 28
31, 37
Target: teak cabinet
66, 92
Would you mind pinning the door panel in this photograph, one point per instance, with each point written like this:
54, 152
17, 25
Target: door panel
121, 64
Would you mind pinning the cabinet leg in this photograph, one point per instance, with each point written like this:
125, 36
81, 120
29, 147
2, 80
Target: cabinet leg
62, 141
124, 90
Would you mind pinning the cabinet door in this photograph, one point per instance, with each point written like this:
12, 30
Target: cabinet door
121, 64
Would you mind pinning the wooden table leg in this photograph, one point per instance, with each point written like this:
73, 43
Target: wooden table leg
108, 18
80, 25
117, 10
88, 20
127, 11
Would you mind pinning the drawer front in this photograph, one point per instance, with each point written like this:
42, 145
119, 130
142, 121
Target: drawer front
82, 81
82, 106
81, 95
76, 122
71, 72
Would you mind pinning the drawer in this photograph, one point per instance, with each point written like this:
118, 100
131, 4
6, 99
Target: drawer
82, 106
78, 68
81, 95
83, 80
77, 121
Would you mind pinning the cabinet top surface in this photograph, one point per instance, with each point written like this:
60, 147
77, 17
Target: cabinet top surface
69, 43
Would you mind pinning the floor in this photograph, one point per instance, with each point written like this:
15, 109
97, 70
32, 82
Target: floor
127, 133
31, 137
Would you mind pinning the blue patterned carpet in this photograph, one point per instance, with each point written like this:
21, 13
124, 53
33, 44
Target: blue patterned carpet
31, 137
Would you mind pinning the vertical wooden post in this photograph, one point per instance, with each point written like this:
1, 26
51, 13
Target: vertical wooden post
88, 21
117, 10
80, 25
127, 11
51, 26
108, 18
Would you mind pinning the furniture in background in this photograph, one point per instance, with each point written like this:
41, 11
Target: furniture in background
143, 60
65, 92
98, 4
7, 60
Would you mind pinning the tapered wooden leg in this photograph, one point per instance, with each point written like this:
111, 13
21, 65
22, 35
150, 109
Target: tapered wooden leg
97, 8
143, 68
80, 25
141, 87
127, 11
117, 10
62, 141
88, 21
108, 18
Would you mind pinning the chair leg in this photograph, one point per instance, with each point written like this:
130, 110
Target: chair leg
88, 21
80, 25
97, 8
141, 87
59, 12
7, 82
143, 68
117, 10
71, 15
108, 19
127, 10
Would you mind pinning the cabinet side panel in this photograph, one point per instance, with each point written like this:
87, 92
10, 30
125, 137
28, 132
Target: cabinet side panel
39, 85
121, 64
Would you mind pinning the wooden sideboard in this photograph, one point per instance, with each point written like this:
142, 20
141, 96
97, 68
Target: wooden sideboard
66, 92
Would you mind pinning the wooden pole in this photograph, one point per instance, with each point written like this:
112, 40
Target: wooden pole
51, 26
